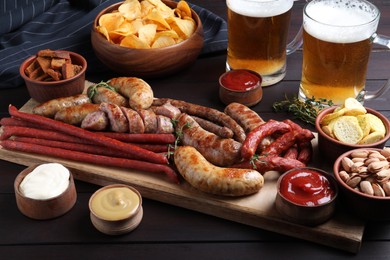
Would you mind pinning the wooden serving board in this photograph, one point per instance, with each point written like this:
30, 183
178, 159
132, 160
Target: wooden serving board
258, 210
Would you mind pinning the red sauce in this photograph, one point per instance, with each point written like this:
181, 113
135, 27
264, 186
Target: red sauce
306, 187
240, 80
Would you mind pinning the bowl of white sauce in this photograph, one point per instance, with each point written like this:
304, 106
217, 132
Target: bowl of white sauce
45, 191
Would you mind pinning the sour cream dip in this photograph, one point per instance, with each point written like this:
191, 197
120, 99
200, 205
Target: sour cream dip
45, 181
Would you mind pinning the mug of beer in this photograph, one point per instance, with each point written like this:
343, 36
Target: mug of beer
337, 40
257, 37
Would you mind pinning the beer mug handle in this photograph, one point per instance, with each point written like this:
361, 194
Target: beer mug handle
384, 41
295, 43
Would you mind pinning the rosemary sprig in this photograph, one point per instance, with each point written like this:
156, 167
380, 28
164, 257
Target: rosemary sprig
306, 111
92, 90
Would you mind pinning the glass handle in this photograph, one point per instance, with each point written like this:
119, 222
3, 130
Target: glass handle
295, 43
384, 41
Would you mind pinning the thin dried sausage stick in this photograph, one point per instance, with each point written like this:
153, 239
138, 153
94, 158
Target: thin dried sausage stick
206, 112
141, 138
91, 158
11, 121
90, 136
255, 137
9, 131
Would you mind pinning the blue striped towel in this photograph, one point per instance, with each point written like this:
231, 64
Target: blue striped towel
28, 26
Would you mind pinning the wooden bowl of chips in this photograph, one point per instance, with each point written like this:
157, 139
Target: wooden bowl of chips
52, 74
341, 137
158, 47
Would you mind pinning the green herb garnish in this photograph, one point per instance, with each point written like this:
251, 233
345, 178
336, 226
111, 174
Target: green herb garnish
306, 111
92, 90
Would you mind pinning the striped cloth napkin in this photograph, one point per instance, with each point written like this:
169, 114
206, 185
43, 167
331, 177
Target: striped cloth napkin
28, 26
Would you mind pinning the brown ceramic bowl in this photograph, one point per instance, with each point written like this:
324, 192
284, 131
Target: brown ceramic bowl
357, 203
43, 91
304, 213
231, 87
42, 209
147, 63
117, 226
331, 148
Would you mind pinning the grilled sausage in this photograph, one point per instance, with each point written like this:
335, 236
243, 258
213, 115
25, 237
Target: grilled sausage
105, 95
218, 151
221, 131
209, 178
118, 121
96, 121
51, 107
207, 113
245, 117
139, 93
74, 115
136, 125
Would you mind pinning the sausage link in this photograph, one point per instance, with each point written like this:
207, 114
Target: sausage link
213, 179
51, 107
208, 113
74, 115
87, 135
105, 95
245, 117
255, 137
90, 158
221, 131
139, 93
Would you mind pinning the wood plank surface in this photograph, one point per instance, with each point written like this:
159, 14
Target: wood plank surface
258, 210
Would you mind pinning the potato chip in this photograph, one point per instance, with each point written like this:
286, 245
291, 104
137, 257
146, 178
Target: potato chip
372, 138
147, 33
184, 9
133, 41
156, 18
130, 9
111, 21
147, 23
364, 124
163, 41
184, 28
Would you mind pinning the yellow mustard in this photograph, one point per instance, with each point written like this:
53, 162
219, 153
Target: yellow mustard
115, 203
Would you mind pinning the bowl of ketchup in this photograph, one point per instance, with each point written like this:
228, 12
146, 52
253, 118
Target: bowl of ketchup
306, 196
241, 86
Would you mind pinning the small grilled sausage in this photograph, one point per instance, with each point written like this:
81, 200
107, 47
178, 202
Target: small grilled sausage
51, 107
95, 121
118, 121
74, 115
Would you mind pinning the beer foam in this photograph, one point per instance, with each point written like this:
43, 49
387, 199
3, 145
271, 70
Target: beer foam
260, 8
340, 21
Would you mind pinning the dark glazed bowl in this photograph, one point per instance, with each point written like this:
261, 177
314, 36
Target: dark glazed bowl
303, 214
43, 91
147, 63
359, 204
331, 148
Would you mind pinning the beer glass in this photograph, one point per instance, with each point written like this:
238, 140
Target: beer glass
337, 40
257, 37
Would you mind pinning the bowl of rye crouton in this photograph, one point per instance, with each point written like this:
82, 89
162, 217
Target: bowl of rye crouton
53, 73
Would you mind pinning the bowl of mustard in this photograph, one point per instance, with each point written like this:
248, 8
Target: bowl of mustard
116, 209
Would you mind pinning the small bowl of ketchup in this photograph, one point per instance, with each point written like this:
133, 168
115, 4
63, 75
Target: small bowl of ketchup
306, 196
241, 86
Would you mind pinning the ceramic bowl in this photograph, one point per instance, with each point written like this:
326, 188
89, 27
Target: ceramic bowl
331, 148
300, 211
42, 209
43, 91
357, 203
233, 87
116, 225
147, 63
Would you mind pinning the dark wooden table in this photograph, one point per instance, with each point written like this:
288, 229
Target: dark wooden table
171, 232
